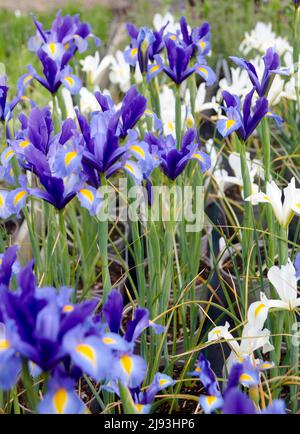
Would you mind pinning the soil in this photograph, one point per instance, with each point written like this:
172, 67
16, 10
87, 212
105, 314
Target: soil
184, 406
10, 227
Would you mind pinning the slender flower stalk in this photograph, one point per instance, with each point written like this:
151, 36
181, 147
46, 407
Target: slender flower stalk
103, 243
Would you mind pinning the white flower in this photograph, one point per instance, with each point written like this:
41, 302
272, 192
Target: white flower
69, 106
94, 68
254, 168
88, 101
239, 85
284, 281
290, 86
120, 71
161, 20
258, 312
253, 338
200, 104
284, 211
261, 38
167, 110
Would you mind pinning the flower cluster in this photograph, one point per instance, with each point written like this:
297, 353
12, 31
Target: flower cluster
51, 333
233, 400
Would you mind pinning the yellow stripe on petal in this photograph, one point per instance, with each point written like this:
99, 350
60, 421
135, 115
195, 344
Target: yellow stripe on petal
203, 70
138, 150
211, 400
129, 168
9, 153
27, 78
266, 365
229, 123
87, 352
134, 52
60, 400
126, 363
24, 143
163, 381
70, 81
173, 37
202, 44
69, 157
259, 309
139, 407
154, 69
19, 196
87, 194
52, 47
198, 369
68, 308
107, 340
1, 203
198, 156
4, 344
246, 377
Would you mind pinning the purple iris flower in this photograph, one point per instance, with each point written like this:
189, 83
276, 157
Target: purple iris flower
39, 320
6, 108
145, 44
61, 397
199, 37
112, 312
236, 402
68, 31
179, 57
272, 67
132, 109
233, 401
172, 160
56, 72
128, 367
242, 121
103, 152
55, 48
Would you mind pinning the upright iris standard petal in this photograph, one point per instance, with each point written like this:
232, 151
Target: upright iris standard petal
112, 310
244, 121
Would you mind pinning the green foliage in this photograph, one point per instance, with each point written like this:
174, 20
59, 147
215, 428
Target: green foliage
15, 32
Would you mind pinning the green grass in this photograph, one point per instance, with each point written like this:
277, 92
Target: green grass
15, 32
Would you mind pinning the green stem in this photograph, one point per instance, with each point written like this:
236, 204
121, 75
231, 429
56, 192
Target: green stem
247, 235
266, 143
29, 387
103, 243
64, 252
178, 116
126, 398
283, 245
